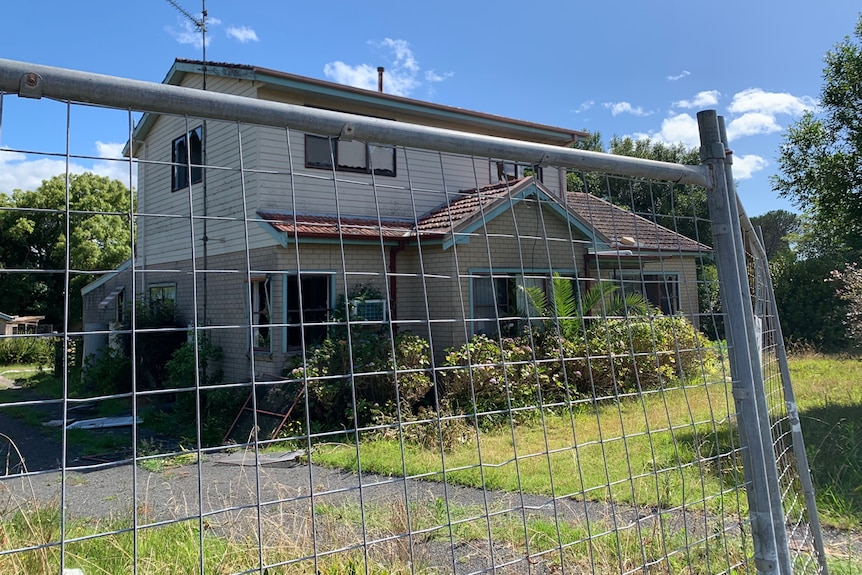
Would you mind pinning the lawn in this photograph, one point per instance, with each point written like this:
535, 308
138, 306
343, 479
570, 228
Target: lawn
662, 449
675, 448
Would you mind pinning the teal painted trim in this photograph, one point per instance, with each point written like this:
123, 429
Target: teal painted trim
106, 277
283, 312
507, 205
459, 238
280, 237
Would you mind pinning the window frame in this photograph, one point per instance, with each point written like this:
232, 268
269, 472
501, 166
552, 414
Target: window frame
187, 164
649, 281
292, 338
120, 301
319, 145
156, 303
261, 314
501, 170
509, 299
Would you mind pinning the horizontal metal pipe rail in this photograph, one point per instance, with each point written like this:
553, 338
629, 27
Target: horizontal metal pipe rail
36, 81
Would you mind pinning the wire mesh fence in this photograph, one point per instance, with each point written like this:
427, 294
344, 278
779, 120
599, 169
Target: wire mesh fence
300, 341
794, 477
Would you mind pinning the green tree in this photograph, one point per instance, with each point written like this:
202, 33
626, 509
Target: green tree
679, 207
820, 162
34, 226
778, 228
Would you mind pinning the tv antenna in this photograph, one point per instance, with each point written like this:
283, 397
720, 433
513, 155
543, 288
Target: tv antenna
201, 25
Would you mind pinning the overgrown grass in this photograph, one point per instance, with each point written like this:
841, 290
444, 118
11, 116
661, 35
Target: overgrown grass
593, 546
661, 449
109, 546
36, 379
829, 398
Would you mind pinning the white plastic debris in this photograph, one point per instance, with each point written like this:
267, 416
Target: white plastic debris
103, 422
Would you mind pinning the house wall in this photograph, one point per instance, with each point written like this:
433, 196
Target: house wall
543, 244
96, 319
226, 318
164, 224
686, 267
274, 177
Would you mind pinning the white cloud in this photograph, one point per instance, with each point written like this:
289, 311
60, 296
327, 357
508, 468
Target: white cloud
403, 54
113, 164
402, 75
772, 103
432, 76
701, 100
361, 76
243, 34
618, 108
679, 129
745, 166
185, 32
679, 76
585, 106
751, 124
109, 149
19, 171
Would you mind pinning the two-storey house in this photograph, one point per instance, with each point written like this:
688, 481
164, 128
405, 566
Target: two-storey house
257, 233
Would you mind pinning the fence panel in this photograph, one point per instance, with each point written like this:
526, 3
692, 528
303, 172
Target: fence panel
327, 343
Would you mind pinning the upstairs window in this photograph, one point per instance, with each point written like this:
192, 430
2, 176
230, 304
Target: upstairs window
187, 158
352, 156
504, 171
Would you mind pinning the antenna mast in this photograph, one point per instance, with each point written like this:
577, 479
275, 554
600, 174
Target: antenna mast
200, 24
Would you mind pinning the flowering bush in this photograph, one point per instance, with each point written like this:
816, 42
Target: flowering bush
850, 290
619, 355
488, 375
338, 372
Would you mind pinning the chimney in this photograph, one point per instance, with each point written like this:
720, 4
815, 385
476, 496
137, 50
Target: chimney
380, 79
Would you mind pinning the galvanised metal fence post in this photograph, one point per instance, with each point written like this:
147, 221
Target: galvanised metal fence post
799, 453
744, 363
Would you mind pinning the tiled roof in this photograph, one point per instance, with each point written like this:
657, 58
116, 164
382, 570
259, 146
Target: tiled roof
308, 226
461, 209
627, 230
621, 228
437, 223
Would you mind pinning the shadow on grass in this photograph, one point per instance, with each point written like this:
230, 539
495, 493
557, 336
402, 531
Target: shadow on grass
718, 450
833, 442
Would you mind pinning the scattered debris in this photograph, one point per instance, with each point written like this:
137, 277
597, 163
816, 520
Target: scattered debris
57, 422
104, 422
273, 459
6, 383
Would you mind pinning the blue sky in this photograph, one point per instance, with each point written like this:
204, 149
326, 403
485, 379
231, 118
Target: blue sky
627, 68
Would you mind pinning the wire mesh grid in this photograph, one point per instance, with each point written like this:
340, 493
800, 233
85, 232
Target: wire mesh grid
794, 478
326, 355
